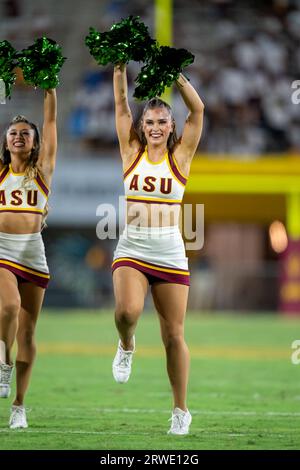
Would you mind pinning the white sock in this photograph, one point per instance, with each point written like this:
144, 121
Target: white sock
2, 351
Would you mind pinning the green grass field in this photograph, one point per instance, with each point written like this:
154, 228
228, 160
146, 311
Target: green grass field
244, 391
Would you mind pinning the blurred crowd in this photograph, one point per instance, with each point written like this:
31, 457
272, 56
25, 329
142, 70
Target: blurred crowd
247, 57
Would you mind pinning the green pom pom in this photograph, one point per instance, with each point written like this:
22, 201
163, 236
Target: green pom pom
160, 71
41, 63
127, 40
8, 61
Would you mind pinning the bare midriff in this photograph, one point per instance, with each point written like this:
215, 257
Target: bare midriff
20, 223
152, 215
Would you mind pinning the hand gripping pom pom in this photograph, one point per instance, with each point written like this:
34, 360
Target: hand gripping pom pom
41, 63
127, 40
160, 71
8, 61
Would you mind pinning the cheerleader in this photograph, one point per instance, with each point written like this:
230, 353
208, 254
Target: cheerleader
26, 170
151, 251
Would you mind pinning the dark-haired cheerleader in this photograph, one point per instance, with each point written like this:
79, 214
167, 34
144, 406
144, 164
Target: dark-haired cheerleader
26, 169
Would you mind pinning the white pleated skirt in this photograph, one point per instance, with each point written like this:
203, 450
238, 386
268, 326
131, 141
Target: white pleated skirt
158, 252
24, 255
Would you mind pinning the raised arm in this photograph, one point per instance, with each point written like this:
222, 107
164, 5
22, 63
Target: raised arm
47, 158
128, 138
194, 122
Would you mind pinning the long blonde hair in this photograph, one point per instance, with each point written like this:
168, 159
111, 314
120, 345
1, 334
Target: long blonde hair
31, 170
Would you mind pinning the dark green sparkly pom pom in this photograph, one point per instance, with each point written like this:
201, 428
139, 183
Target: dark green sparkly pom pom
163, 68
127, 40
41, 63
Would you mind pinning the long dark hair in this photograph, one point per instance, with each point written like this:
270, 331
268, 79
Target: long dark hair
5, 153
152, 104
31, 169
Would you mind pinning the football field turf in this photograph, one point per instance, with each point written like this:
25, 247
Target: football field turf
244, 391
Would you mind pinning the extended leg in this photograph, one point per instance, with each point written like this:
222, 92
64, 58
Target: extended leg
130, 287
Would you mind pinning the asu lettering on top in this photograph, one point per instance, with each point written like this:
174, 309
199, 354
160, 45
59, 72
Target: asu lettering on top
18, 252
15, 198
154, 182
159, 259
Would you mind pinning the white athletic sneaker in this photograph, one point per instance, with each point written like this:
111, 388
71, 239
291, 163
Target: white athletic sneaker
181, 421
17, 418
121, 366
5, 379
